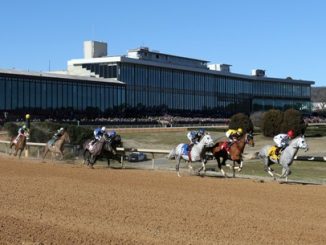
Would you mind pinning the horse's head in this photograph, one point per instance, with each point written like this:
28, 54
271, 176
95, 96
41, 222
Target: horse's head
250, 139
207, 140
66, 137
300, 142
116, 141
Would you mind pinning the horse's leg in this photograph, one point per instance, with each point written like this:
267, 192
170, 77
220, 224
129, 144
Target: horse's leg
92, 161
189, 165
221, 164
20, 152
61, 155
86, 160
285, 172
87, 156
177, 166
240, 163
16, 151
10, 148
46, 149
267, 167
203, 167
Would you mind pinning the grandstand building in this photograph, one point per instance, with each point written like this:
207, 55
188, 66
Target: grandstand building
152, 80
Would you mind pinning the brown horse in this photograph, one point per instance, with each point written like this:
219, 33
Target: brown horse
19, 144
234, 153
57, 148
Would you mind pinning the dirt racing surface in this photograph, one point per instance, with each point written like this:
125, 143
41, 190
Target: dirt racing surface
45, 203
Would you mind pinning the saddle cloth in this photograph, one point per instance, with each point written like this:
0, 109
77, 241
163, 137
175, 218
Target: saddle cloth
186, 150
272, 153
226, 146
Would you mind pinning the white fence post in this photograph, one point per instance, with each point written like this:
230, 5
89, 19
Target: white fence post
153, 160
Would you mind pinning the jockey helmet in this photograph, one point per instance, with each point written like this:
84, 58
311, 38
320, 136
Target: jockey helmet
24, 127
239, 130
103, 129
291, 133
201, 131
112, 134
61, 129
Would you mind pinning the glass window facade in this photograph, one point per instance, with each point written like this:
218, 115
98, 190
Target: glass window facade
39, 92
153, 87
194, 91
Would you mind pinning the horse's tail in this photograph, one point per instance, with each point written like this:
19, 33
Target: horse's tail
171, 154
257, 155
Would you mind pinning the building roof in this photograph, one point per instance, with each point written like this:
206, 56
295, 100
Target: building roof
206, 70
60, 76
166, 54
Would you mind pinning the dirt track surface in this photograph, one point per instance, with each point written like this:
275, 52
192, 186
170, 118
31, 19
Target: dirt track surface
44, 203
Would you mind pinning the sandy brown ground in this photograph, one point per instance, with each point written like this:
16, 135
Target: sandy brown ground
44, 203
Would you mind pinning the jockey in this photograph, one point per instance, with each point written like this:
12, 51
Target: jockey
195, 136
282, 141
233, 135
23, 130
111, 134
57, 135
98, 133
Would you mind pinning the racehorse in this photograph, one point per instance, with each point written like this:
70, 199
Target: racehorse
19, 144
195, 154
286, 157
234, 153
104, 148
57, 147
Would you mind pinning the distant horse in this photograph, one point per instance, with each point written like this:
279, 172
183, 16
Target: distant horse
234, 153
57, 147
196, 153
106, 147
286, 157
19, 144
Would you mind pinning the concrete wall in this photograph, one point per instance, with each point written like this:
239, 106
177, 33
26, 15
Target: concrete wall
94, 49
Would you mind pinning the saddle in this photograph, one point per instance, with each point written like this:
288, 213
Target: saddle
186, 150
51, 142
274, 153
226, 146
15, 141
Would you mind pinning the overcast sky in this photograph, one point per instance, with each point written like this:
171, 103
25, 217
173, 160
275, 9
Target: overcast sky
283, 37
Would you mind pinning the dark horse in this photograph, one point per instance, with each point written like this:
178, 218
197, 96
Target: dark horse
19, 144
234, 153
104, 148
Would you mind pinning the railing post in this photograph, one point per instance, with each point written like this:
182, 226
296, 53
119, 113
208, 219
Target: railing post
122, 164
153, 160
26, 151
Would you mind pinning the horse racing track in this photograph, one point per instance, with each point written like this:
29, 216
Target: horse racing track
44, 203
